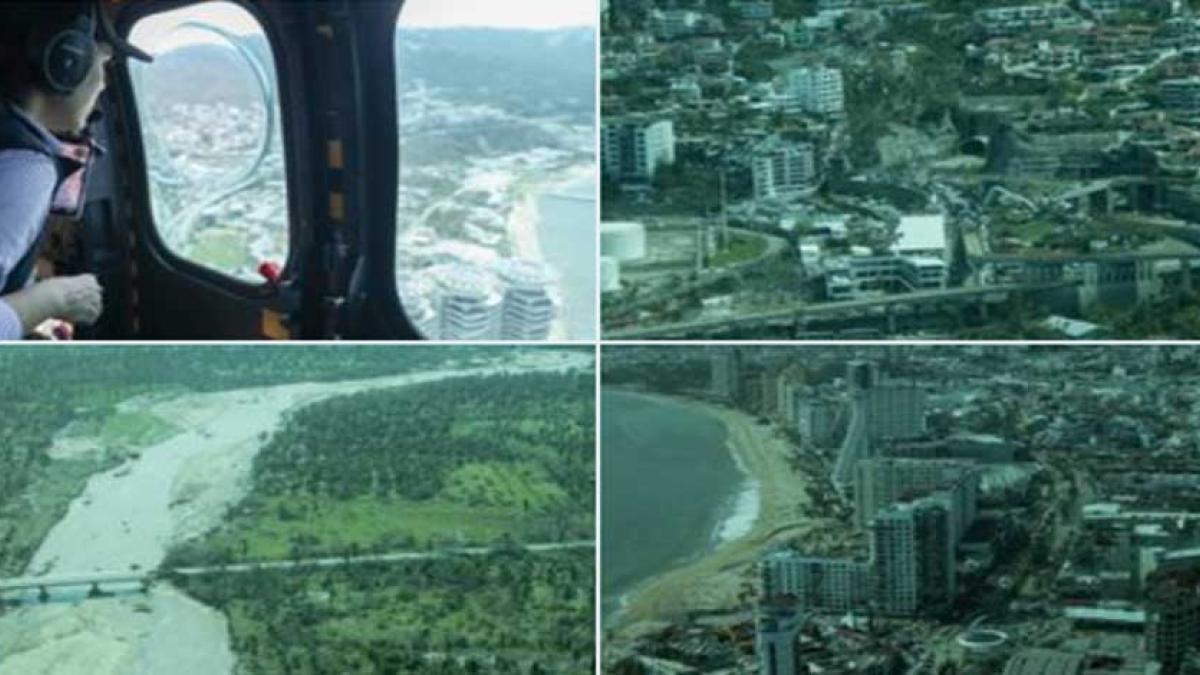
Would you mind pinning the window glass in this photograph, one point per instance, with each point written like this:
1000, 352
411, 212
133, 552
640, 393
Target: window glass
210, 120
498, 168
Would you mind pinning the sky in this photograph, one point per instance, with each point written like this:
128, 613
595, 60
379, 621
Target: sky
500, 13
155, 33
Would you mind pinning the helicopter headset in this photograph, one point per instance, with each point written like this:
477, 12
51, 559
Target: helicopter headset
61, 62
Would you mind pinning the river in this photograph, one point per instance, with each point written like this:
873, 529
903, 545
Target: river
670, 490
127, 518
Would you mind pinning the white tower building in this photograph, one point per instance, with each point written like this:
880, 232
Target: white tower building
468, 302
775, 639
529, 308
817, 90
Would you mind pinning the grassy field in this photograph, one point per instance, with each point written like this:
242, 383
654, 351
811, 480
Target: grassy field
741, 249
299, 527
221, 248
124, 431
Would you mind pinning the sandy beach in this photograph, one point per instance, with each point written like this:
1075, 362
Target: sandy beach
523, 221
716, 579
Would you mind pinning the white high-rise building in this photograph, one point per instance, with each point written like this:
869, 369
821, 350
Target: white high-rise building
817, 90
877, 411
633, 148
816, 420
529, 309
468, 302
833, 584
725, 373
783, 171
895, 410
880, 482
776, 628
912, 551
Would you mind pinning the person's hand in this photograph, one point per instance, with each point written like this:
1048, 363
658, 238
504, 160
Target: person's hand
76, 299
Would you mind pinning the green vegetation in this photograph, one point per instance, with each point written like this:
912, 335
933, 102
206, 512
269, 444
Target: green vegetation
45, 391
1177, 314
224, 249
741, 248
123, 430
506, 613
24, 522
487, 461
471, 460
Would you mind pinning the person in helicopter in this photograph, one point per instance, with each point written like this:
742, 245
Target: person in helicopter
53, 61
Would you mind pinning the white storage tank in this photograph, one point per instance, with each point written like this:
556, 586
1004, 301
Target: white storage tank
623, 240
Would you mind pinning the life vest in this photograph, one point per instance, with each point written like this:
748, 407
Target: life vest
17, 133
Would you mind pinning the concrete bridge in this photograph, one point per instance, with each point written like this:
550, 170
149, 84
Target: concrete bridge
92, 579
95, 580
885, 305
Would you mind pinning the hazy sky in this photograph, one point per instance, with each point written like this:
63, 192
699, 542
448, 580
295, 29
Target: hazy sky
500, 13
155, 33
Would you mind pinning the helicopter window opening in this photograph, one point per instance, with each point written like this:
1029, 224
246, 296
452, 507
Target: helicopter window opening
210, 115
497, 208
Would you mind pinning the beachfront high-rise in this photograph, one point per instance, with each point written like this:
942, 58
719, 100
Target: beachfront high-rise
912, 550
878, 410
831, 584
725, 373
529, 309
776, 628
468, 302
879, 482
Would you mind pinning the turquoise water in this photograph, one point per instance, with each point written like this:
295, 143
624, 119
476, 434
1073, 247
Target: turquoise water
667, 483
567, 233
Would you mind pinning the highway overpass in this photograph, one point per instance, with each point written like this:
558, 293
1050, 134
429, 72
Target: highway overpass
798, 312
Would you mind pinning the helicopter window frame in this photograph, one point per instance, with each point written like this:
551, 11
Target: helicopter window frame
140, 162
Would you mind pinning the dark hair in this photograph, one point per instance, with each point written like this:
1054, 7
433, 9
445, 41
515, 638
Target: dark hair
24, 23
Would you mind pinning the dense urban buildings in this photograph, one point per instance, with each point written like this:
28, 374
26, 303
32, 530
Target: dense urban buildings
903, 168
999, 509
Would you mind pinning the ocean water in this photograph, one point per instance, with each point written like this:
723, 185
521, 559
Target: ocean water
567, 234
669, 490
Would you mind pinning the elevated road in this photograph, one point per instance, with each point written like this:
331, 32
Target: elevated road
1114, 257
996, 293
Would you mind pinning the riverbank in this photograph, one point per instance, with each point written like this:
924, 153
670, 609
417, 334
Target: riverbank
717, 578
181, 487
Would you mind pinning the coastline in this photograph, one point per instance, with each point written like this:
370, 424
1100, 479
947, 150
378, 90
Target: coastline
524, 226
524, 220
722, 573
